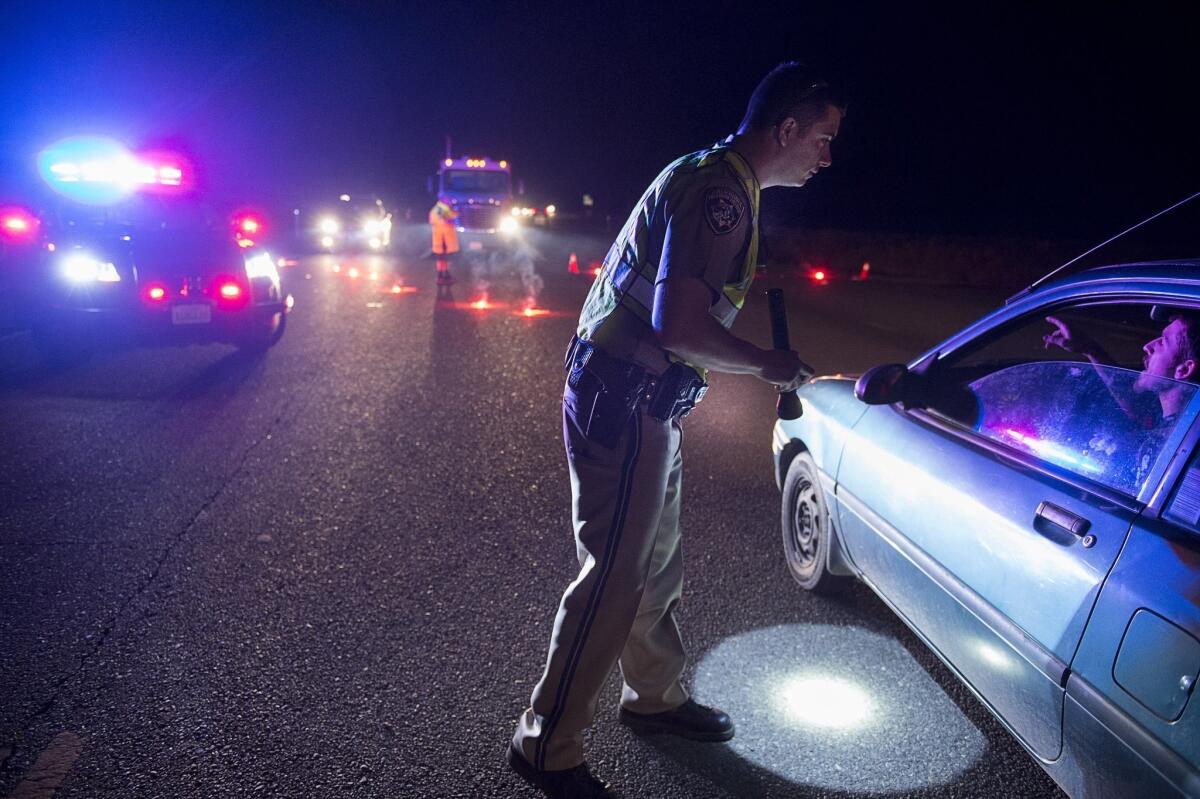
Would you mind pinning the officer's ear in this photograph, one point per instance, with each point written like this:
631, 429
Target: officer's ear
785, 131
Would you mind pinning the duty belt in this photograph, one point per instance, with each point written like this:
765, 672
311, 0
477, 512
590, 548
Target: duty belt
671, 395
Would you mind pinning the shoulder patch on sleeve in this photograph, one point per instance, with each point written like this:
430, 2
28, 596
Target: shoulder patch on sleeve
723, 208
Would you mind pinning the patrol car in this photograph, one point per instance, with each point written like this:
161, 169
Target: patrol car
1033, 515
137, 263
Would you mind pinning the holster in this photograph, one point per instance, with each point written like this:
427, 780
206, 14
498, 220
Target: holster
675, 392
608, 391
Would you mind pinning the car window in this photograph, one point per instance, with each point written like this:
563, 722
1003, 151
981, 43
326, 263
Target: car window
1094, 407
1121, 328
1093, 421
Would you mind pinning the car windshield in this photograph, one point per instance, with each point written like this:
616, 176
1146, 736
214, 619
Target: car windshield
466, 182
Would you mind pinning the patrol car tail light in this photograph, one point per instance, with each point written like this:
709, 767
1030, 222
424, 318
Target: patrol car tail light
18, 225
155, 293
228, 291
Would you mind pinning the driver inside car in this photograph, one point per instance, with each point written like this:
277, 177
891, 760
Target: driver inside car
1168, 361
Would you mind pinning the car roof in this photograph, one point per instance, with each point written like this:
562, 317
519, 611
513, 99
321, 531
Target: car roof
1182, 275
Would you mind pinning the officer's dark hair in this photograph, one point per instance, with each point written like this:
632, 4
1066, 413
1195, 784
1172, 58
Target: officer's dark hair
791, 90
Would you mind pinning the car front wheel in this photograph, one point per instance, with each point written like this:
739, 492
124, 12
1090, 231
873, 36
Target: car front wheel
807, 532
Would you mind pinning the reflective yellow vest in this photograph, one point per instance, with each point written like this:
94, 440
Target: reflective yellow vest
616, 315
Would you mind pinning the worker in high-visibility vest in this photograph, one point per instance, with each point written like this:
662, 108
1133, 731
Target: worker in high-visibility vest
442, 219
656, 321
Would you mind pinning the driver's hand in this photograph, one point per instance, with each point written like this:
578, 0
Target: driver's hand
784, 370
1062, 336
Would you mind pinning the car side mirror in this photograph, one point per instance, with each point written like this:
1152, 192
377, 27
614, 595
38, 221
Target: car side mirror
884, 385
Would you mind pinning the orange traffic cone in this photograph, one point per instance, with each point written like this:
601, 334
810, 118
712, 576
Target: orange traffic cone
573, 264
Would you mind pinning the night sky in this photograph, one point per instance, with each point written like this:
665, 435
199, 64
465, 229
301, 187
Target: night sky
963, 119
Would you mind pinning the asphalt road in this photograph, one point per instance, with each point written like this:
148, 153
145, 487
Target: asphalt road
332, 570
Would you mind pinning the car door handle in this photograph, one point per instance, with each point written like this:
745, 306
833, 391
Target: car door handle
1061, 517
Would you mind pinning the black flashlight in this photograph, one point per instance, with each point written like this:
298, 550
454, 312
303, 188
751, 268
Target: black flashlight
788, 406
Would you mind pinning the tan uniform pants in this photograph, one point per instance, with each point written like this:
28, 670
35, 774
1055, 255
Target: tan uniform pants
621, 607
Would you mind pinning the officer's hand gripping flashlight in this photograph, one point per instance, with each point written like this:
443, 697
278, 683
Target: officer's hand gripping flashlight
788, 406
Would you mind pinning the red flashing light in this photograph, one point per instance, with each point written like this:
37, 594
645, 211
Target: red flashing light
819, 276
18, 225
247, 226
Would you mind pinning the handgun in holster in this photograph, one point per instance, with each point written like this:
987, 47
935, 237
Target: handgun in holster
675, 392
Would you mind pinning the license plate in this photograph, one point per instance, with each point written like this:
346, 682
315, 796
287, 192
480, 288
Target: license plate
191, 314
474, 245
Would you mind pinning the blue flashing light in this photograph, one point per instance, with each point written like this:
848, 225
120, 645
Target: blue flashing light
99, 171
87, 169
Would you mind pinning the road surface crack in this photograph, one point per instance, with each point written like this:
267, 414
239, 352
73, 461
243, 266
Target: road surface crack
111, 623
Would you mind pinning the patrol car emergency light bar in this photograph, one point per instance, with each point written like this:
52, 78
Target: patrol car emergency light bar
126, 171
99, 170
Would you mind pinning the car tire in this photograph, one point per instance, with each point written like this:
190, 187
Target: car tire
807, 530
264, 334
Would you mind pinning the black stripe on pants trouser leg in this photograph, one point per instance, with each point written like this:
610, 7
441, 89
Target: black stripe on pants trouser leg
619, 496
624, 490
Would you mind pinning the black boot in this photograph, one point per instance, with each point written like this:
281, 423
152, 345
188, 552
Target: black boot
690, 720
569, 783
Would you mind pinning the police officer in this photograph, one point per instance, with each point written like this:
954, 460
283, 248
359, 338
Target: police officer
656, 319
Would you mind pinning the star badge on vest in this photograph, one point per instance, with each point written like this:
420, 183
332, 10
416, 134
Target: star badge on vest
723, 209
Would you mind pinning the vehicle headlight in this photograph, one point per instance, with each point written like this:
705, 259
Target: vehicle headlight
375, 243
261, 265
372, 227
329, 226
509, 226
327, 241
81, 268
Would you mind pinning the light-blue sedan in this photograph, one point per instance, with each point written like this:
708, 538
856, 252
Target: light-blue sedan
1026, 497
